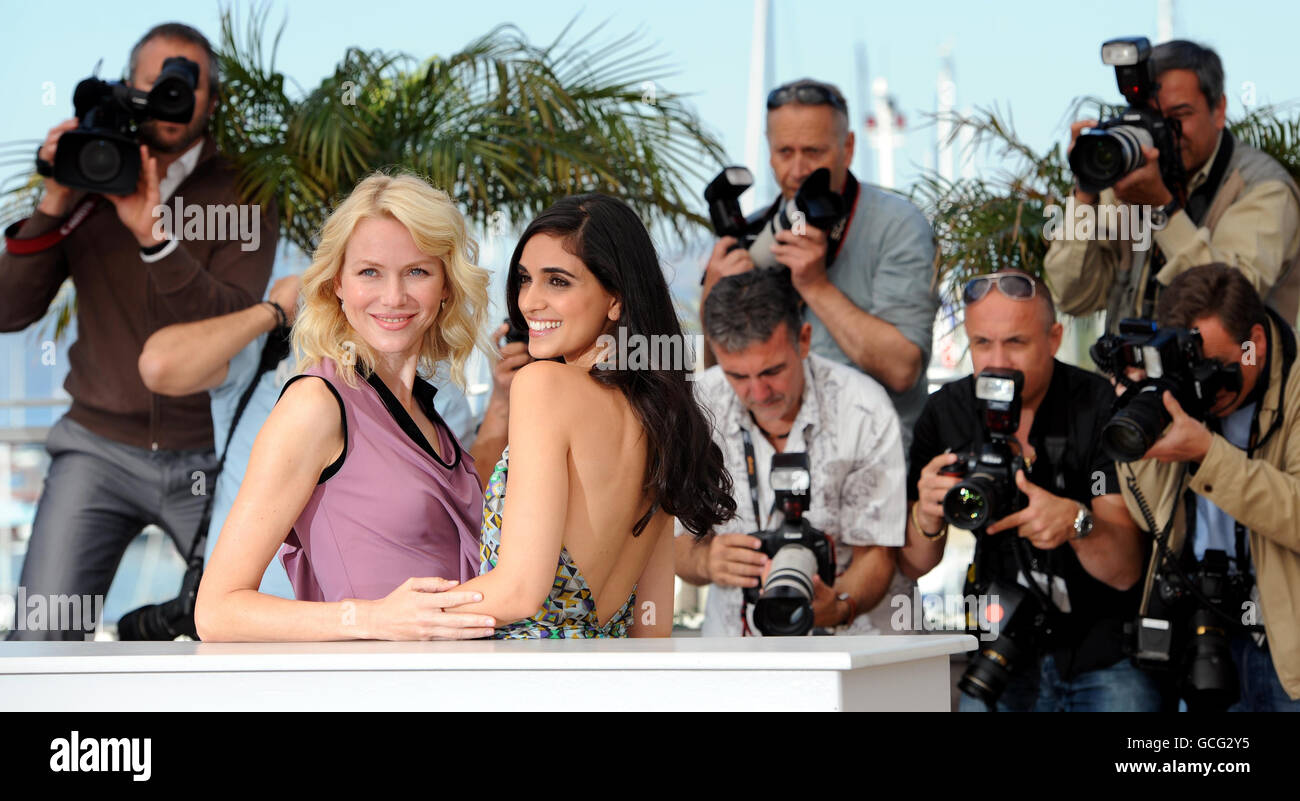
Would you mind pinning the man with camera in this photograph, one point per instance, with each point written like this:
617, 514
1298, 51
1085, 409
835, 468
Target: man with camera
1225, 481
771, 399
866, 279
1216, 200
124, 457
1010, 453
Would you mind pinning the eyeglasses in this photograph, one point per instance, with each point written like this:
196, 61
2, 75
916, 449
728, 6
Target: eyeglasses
1013, 285
809, 94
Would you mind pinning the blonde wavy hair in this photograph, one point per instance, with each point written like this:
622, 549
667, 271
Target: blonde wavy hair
321, 330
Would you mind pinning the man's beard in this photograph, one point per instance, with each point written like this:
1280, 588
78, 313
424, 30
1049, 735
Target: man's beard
193, 132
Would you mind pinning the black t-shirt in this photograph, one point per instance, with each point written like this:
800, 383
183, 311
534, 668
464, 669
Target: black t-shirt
1075, 408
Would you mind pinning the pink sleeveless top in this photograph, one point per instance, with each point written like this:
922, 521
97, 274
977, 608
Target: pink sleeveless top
388, 509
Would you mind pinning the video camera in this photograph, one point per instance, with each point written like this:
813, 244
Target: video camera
782, 606
1113, 148
1174, 360
987, 491
814, 204
103, 153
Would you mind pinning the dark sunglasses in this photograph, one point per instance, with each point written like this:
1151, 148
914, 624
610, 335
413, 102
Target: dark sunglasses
809, 94
1016, 287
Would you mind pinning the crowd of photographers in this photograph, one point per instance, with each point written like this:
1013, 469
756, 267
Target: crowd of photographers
1135, 528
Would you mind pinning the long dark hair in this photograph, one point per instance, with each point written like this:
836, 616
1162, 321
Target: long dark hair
685, 473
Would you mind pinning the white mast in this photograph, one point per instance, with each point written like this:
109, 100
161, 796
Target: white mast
760, 83
947, 102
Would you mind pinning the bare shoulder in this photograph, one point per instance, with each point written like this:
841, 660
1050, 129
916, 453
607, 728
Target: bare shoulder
307, 414
551, 386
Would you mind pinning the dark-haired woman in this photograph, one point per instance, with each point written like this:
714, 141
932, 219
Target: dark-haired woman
600, 460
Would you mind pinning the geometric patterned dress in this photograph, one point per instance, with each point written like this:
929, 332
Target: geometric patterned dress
568, 611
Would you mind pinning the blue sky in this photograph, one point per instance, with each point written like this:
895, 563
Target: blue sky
1029, 57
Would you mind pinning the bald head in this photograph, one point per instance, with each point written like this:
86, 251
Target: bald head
1014, 333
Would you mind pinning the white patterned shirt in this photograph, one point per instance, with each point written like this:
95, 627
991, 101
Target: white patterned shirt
849, 429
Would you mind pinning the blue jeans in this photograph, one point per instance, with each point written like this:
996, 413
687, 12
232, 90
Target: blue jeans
1122, 687
1261, 691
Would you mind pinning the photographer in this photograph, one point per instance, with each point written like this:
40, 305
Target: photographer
1073, 534
768, 395
1236, 205
867, 282
1232, 483
124, 457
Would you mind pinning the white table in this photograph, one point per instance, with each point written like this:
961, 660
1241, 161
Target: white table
690, 673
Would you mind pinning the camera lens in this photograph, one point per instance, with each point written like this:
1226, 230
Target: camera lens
784, 608
1102, 157
99, 161
989, 671
971, 503
1211, 678
1133, 430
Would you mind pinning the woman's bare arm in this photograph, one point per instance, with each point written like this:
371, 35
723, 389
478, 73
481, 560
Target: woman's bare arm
537, 496
655, 590
288, 456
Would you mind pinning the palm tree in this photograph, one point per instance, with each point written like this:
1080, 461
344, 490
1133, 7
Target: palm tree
505, 126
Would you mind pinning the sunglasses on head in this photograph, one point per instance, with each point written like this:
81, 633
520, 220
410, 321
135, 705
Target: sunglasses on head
1013, 285
808, 94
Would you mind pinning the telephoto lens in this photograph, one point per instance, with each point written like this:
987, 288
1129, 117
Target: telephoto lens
784, 608
1101, 156
1136, 427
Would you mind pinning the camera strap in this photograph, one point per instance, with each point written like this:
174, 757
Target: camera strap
751, 472
277, 347
47, 240
835, 236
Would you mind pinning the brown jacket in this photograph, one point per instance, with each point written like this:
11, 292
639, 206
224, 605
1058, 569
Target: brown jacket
1262, 494
121, 300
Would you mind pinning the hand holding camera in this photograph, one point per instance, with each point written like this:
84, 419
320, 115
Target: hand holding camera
1186, 440
136, 209
728, 258
931, 490
1047, 521
57, 199
735, 561
804, 252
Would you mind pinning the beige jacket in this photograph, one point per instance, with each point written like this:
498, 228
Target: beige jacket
1262, 494
1253, 224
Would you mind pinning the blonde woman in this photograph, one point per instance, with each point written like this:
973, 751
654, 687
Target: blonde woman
354, 472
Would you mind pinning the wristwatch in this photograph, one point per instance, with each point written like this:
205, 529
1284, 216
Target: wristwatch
1082, 523
1161, 214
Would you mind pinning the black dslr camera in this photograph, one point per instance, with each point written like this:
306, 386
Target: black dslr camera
1104, 154
1174, 360
987, 491
1014, 618
1187, 629
814, 204
783, 604
103, 153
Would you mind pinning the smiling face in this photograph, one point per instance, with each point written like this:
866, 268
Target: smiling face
173, 137
1181, 99
767, 377
565, 306
391, 290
